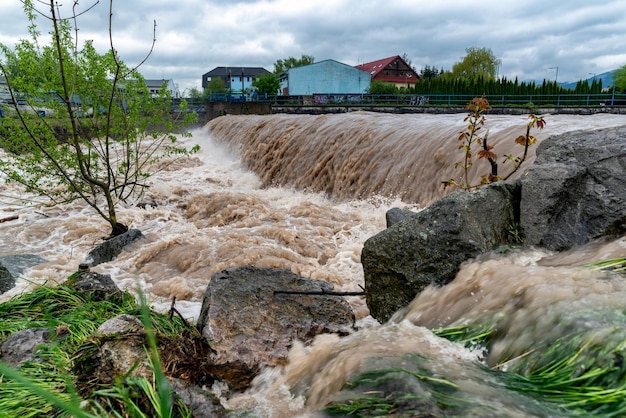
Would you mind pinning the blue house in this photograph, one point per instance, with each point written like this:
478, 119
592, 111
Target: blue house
324, 77
236, 79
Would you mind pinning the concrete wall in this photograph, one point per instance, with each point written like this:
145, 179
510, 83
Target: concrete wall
215, 109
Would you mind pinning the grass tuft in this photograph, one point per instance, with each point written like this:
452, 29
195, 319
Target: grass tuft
53, 385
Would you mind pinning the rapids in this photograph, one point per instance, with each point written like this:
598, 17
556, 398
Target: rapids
304, 193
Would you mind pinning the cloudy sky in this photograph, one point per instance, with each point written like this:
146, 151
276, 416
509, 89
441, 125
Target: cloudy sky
532, 38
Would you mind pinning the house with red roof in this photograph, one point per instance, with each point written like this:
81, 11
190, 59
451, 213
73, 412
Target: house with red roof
394, 70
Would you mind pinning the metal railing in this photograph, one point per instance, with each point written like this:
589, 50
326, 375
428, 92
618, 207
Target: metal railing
405, 100
557, 100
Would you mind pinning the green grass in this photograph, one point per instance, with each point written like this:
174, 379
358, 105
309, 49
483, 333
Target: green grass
581, 373
49, 386
616, 264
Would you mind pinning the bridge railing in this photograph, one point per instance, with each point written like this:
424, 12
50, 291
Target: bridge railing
556, 100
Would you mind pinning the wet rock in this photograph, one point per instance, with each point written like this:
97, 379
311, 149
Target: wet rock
7, 281
202, 403
427, 247
99, 286
120, 355
21, 346
395, 215
121, 324
574, 192
250, 326
12, 266
111, 248
122, 350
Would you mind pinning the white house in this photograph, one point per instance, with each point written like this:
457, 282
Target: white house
156, 85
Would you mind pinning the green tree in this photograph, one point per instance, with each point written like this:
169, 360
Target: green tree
380, 87
478, 62
619, 79
430, 72
282, 65
406, 59
195, 93
85, 125
216, 85
267, 84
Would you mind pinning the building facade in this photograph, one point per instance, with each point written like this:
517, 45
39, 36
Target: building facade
4, 90
236, 79
324, 77
394, 70
155, 86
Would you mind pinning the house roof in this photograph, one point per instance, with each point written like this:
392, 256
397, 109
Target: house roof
375, 67
317, 64
156, 83
233, 70
397, 70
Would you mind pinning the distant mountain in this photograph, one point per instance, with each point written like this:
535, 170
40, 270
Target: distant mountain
607, 80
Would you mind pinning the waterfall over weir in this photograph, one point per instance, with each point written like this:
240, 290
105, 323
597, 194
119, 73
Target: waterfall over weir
360, 155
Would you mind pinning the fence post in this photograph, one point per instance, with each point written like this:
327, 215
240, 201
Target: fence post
613, 97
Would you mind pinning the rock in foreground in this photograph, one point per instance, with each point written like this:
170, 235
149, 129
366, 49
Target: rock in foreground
249, 325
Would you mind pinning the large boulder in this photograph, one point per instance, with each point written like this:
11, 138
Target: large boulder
428, 247
250, 324
575, 191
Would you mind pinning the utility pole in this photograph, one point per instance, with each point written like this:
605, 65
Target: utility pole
556, 77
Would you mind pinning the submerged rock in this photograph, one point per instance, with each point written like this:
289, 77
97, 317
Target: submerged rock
249, 324
11, 266
7, 281
202, 403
